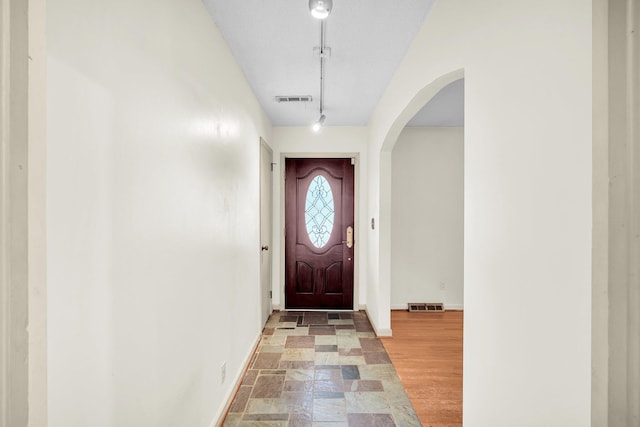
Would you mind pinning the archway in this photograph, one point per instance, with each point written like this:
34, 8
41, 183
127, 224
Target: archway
427, 221
421, 169
421, 98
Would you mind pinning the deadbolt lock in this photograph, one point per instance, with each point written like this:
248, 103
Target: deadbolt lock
349, 240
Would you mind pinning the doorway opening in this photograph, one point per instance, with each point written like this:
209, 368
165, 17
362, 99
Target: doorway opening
427, 221
423, 163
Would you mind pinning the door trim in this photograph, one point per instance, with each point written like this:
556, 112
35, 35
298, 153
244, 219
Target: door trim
356, 221
23, 78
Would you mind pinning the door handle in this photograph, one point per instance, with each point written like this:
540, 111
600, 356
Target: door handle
349, 240
265, 248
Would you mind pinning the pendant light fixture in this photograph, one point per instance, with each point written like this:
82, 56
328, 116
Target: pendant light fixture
318, 125
320, 9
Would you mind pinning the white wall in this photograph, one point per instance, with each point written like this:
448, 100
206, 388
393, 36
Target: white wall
528, 193
427, 217
153, 214
329, 142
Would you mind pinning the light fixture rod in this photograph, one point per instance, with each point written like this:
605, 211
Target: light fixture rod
322, 32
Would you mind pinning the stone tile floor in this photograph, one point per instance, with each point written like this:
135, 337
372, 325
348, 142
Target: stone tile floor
320, 369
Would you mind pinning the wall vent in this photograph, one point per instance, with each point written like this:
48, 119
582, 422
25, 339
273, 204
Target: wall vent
426, 307
294, 98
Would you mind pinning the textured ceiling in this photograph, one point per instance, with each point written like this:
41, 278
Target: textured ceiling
273, 41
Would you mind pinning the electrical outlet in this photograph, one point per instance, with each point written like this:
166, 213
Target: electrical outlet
223, 372
442, 286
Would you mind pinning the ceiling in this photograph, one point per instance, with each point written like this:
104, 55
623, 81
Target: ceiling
273, 41
446, 108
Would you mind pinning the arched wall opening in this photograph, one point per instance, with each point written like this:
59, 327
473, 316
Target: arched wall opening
427, 205
421, 98
426, 224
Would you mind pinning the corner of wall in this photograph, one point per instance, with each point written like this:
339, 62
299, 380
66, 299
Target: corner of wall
380, 332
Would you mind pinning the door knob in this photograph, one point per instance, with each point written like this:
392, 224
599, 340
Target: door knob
265, 248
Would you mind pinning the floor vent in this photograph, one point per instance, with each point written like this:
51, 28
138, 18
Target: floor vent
426, 307
294, 98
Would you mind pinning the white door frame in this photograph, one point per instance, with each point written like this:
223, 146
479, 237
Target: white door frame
13, 215
23, 386
359, 232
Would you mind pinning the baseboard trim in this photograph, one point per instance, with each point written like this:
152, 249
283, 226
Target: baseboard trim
378, 332
220, 416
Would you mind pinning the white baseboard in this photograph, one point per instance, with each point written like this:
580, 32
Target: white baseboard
383, 332
378, 332
217, 420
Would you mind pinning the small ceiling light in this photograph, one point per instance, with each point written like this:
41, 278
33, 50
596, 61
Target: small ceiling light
320, 9
317, 125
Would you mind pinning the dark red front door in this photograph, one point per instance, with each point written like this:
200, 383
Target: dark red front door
319, 233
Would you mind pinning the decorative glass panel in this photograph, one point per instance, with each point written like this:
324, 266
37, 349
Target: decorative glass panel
319, 211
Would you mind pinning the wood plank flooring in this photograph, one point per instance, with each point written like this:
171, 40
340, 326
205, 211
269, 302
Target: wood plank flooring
426, 349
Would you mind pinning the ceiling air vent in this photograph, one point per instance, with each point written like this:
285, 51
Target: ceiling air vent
294, 98
426, 307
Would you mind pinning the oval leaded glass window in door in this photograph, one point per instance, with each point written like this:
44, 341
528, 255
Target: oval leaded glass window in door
319, 211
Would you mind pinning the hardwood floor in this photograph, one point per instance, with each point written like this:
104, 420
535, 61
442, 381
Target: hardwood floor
426, 349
